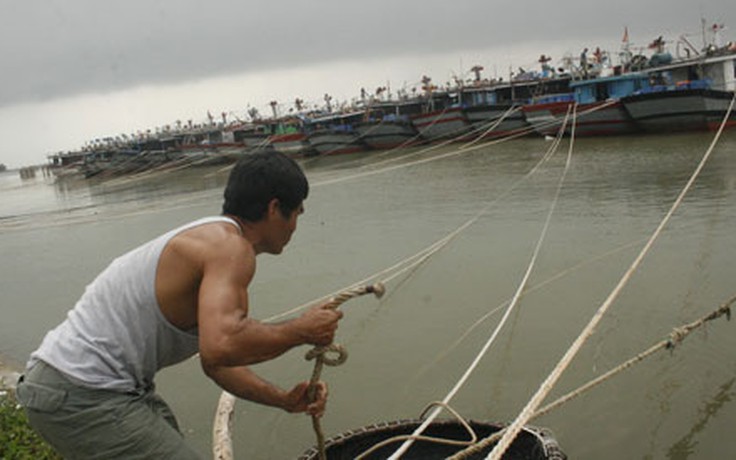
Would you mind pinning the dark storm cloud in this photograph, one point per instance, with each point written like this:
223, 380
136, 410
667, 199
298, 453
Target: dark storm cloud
65, 47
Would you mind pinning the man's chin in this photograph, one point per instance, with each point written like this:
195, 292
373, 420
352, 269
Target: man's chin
275, 251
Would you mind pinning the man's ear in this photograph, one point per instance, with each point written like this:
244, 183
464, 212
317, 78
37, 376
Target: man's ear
274, 206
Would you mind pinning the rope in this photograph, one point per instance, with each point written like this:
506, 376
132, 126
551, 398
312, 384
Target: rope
407, 444
546, 387
418, 258
449, 154
493, 126
433, 146
222, 445
221, 434
451, 442
675, 337
20, 223
531, 289
319, 354
412, 261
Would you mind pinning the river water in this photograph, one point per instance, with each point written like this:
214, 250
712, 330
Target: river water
364, 214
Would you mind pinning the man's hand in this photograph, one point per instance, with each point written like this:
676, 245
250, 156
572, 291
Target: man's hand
317, 325
297, 400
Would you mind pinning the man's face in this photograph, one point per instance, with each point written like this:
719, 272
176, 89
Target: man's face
282, 227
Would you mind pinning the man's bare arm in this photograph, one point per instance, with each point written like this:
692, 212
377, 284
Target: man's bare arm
228, 337
244, 383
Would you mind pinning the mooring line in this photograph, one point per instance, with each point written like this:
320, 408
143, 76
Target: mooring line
493, 126
222, 426
419, 430
439, 357
19, 224
523, 417
418, 258
432, 146
676, 336
449, 154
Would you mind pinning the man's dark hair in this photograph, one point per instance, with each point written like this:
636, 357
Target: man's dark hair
257, 179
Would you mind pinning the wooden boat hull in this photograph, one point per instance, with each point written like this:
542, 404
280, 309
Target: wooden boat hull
381, 135
290, 144
329, 142
441, 124
592, 120
680, 110
482, 117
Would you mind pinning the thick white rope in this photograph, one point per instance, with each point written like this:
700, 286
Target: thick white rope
474, 364
523, 417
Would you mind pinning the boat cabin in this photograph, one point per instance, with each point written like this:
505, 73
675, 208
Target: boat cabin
614, 87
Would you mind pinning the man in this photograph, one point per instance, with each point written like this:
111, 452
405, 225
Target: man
584, 62
89, 390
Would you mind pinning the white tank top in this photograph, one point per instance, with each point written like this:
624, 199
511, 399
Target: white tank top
116, 337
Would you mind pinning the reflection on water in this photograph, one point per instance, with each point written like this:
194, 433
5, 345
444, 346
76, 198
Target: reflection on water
405, 350
685, 447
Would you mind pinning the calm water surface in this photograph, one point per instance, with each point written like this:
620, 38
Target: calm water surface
404, 349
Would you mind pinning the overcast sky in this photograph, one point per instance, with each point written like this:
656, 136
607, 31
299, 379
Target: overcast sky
73, 70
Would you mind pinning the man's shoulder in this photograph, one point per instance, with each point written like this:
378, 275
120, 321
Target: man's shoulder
214, 240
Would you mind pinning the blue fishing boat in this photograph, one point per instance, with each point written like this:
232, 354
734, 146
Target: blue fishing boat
600, 111
335, 133
687, 95
493, 107
440, 114
387, 125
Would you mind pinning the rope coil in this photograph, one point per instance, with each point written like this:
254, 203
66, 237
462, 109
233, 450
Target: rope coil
321, 353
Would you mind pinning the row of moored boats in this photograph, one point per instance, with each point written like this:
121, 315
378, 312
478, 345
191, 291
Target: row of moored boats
660, 93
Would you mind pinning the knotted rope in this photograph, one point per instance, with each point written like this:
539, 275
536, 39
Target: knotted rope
675, 337
320, 355
222, 447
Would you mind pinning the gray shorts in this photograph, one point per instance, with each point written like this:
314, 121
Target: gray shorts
85, 423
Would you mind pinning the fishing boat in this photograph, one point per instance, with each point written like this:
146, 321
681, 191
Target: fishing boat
211, 144
600, 111
335, 133
440, 114
690, 106
386, 125
493, 107
285, 135
251, 136
543, 113
687, 95
596, 88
